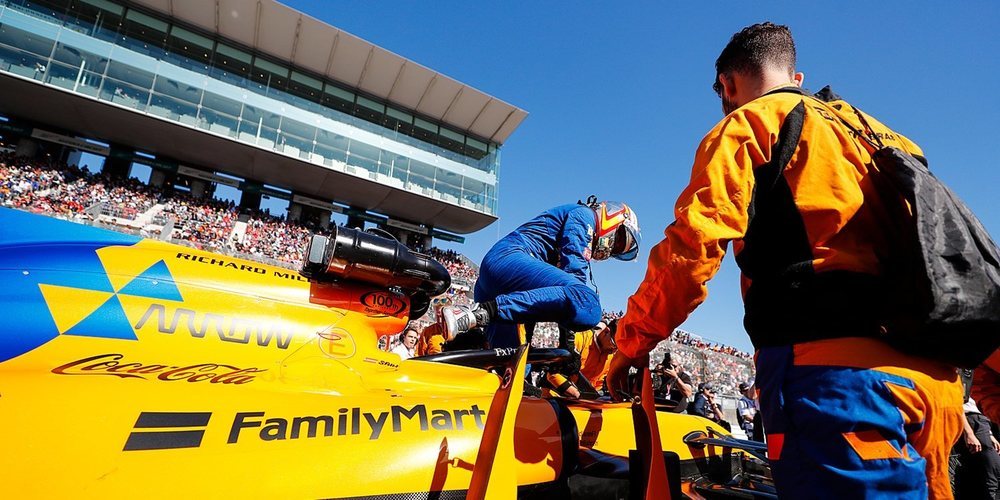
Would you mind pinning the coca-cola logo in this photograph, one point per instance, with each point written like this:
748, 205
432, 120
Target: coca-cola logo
383, 303
112, 365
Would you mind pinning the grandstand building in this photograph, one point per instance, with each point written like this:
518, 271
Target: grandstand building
254, 95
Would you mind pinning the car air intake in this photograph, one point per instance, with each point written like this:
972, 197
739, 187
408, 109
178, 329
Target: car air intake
354, 255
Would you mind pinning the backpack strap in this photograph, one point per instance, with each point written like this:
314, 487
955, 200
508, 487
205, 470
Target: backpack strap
870, 139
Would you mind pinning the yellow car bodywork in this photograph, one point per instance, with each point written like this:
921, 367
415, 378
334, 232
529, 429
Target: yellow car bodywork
135, 367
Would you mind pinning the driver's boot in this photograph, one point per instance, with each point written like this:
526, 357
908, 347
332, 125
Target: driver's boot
460, 319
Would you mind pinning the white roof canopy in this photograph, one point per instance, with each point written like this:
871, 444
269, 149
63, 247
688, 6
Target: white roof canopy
307, 43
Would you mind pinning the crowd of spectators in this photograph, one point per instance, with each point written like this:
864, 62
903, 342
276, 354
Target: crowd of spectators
688, 339
205, 223
272, 238
457, 265
722, 365
55, 188
58, 189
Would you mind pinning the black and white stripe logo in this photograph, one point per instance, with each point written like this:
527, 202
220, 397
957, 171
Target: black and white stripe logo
167, 430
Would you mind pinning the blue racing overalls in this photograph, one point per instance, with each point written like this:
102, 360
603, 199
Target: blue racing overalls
538, 273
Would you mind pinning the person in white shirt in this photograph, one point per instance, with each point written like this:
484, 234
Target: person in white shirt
406, 348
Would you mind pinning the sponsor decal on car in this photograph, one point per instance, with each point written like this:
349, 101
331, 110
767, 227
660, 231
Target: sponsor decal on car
337, 343
353, 421
169, 319
381, 362
114, 364
382, 303
186, 430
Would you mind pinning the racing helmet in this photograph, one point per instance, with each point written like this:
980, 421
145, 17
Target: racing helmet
617, 232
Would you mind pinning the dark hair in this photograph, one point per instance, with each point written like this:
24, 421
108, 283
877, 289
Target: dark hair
755, 48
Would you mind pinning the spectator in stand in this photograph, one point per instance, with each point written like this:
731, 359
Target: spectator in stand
704, 405
406, 349
746, 409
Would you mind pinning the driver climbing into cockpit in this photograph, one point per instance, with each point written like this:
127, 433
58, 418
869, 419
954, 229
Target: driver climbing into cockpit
539, 272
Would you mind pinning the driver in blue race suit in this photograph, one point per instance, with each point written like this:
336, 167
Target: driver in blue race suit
539, 272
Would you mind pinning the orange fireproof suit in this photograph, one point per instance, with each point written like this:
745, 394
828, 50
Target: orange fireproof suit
785, 181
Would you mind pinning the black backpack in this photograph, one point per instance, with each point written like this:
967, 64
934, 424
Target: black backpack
942, 268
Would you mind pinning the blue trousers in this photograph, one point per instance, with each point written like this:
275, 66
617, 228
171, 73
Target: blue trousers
528, 290
854, 418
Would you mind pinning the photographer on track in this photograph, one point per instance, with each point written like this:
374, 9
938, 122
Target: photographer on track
674, 383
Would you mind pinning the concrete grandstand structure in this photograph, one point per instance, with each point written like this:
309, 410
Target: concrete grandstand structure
207, 90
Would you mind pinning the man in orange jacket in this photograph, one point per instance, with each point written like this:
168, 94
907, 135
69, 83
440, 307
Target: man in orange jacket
846, 415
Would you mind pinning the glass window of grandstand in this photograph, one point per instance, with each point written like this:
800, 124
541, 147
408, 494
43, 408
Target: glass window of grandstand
476, 149
49, 8
364, 156
331, 147
451, 140
448, 185
127, 86
421, 178
425, 130
76, 69
175, 100
220, 115
259, 127
397, 120
338, 98
231, 65
399, 168
144, 34
491, 198
474, 195
269, 78
26, 53
296, 139
369, 110
305, 86
97, 18
189, 50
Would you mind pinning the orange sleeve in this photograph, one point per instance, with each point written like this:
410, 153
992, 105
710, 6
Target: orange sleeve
710, 212
986, 387
431, 341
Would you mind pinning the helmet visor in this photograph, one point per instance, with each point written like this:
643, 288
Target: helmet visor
626, 245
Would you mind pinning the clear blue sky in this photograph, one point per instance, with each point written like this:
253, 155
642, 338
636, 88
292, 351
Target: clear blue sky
619, 96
